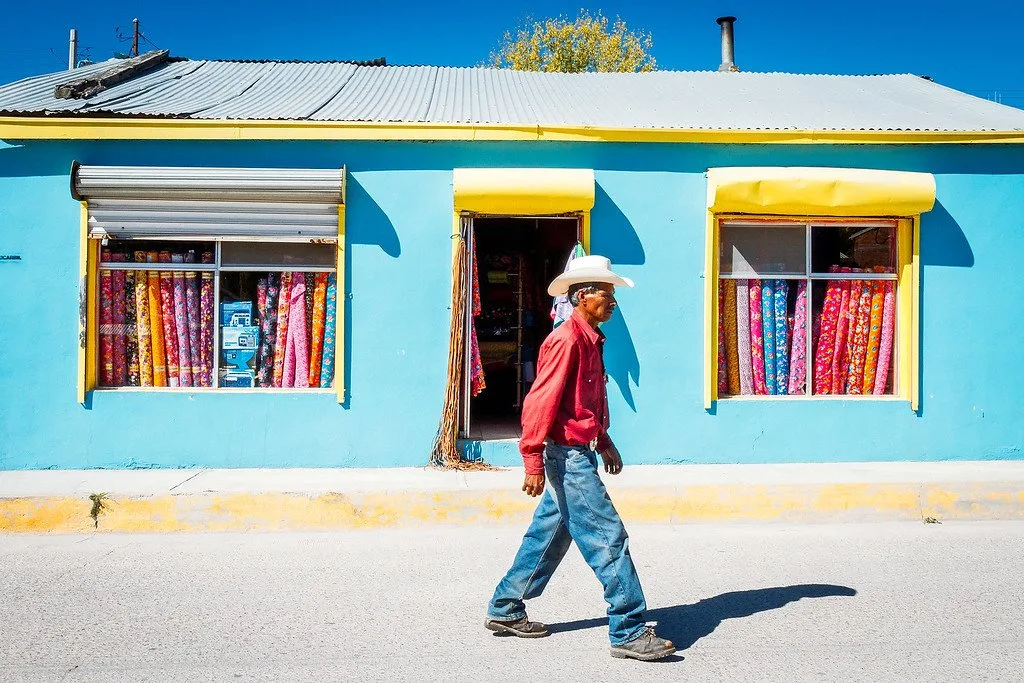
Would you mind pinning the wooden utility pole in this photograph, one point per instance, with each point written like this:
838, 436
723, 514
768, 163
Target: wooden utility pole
135, 37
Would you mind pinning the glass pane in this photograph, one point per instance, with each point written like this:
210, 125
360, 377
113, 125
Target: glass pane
754, 250
156, 327
116, 251
854, 325
762, 337
277, 329
835, 247
295, 254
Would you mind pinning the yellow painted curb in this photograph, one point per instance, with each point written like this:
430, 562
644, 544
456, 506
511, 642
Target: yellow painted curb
665, 505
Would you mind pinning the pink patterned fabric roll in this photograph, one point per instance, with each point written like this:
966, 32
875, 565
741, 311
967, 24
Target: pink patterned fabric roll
106, 325
874, 336
261, 321
757, 338
182, 337
120, 378
859, 345
296, 359
194, 314
743, 337
723, 359
283, 306
825, 349
169, 323
839, 357
206, 304
798, 353
888, 333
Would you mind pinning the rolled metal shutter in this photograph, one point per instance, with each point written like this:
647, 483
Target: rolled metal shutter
210, 203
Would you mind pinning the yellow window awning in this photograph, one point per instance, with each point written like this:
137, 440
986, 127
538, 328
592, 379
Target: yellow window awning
524, 191
807, 191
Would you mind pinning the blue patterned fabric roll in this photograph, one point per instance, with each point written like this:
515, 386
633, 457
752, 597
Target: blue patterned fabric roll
781, 336
768, 322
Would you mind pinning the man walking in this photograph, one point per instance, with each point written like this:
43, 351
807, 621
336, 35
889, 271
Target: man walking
568, 408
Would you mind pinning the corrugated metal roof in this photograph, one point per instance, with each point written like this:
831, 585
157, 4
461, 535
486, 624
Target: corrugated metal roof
343, 91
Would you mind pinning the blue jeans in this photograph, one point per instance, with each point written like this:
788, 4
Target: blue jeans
575, 507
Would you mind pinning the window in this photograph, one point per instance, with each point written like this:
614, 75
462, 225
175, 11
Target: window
215, 278
216, 314
807, 308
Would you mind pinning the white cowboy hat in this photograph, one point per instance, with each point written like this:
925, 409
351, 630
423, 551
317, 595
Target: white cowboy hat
586, 269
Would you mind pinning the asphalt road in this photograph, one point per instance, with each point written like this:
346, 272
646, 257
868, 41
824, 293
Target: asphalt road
850, 602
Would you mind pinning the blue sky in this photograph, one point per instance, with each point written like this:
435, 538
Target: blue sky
972, 46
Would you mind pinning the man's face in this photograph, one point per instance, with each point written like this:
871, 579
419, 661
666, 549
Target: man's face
601, 304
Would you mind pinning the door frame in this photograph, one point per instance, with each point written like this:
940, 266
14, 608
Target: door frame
467, 231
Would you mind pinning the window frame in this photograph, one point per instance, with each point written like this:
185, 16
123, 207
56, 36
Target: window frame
89, 306
217, 268
907, 277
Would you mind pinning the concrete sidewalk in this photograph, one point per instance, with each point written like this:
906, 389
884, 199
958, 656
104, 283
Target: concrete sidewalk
316, 499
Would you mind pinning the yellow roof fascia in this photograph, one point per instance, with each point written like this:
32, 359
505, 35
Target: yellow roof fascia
68, 128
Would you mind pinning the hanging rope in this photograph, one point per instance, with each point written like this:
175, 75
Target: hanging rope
445, 451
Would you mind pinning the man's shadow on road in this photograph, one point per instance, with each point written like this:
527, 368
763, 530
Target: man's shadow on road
684, 625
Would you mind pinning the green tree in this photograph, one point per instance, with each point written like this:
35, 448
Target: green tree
586, 43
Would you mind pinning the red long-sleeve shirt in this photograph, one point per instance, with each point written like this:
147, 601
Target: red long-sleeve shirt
568, 404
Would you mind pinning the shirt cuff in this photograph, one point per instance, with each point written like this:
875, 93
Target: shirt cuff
534, 463
603, 441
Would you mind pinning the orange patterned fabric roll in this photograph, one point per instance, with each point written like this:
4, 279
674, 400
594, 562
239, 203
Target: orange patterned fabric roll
859, 338
317, 348
142, 323
156, 324
283, 306
731, 339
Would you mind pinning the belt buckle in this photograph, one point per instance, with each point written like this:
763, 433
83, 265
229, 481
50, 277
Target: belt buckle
593, 444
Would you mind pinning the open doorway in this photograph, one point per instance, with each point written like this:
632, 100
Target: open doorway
515, 258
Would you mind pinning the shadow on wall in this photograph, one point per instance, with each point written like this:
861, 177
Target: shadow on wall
22, 161
943, 243
684, 625
620, 359
613, 235
365, 224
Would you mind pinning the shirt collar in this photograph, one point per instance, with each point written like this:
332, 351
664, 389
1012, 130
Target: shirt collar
594, 336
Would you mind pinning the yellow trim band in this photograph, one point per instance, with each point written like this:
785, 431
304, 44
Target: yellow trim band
62, 128
711, 306
88, 323
339, 309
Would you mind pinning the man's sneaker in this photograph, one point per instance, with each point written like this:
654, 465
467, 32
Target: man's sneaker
521, 628
646, 648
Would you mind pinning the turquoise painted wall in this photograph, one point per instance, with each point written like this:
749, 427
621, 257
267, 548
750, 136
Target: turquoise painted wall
648, 217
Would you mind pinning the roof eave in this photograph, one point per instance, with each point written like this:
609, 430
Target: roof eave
16, 128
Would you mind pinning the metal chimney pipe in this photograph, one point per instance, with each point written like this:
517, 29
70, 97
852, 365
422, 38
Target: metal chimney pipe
728, 51
73, 50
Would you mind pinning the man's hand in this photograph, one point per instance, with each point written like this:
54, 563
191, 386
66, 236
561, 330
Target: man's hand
612, 460
534, 484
